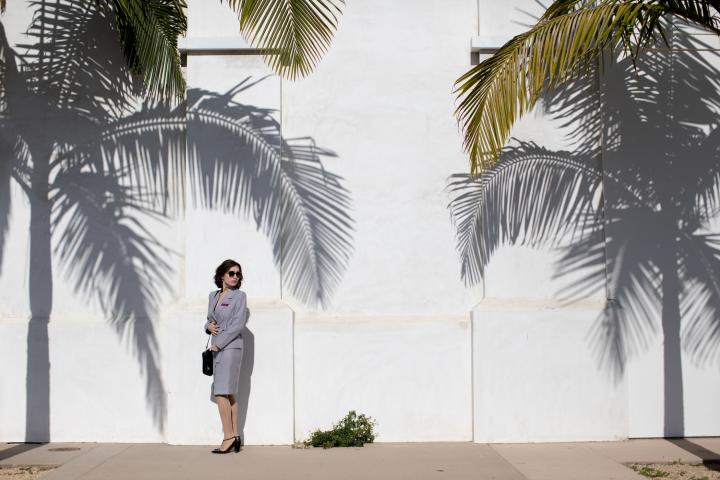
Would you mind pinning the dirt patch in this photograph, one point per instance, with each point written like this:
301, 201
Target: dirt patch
24, 472
678, 471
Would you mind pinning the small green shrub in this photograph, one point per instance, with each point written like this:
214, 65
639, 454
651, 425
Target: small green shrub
649, 471
352, 431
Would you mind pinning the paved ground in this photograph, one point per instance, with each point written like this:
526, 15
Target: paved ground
412, 461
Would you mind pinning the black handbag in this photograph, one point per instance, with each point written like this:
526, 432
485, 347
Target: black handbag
207, 356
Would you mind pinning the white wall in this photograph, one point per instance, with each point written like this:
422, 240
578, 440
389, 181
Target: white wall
536, 378
381, 100
701, 387
95, 381
412, 375
12, 387
265, 393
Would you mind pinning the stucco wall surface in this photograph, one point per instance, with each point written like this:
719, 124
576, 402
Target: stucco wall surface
412, 375
265, 393
536, 378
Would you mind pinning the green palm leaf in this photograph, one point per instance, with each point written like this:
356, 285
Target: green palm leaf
566, 41
148, 31
295, 34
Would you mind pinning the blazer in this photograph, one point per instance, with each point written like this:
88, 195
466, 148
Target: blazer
230, 315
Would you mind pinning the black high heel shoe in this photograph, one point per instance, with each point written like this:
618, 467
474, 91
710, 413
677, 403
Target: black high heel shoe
228, 449
238, 443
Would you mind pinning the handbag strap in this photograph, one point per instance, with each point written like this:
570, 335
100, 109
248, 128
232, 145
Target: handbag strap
216, 302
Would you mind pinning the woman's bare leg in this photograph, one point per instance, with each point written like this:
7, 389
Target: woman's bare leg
225, 419
233, 414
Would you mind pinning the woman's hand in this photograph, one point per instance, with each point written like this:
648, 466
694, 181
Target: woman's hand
214, 348
213, 328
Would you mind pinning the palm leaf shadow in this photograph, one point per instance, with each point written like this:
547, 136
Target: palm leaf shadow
240, 163
640, 225
104, 165
533, 197
112, 258
58, 96
237, 162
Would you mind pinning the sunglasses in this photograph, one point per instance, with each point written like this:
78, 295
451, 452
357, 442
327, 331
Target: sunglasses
233, 274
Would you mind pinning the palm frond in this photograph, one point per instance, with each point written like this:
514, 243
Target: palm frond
233, 155
581, 267
707, 189
295, 34
74, 65
13, 88
148, 148
110, 257
700, 268
628, 321
149, 30
315, 238
238, 162
6, 56
701, 12
577, 107
695, 88
532, 197
564, 42
6, 161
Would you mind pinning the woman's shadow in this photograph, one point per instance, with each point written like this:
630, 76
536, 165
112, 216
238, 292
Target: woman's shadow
245, 385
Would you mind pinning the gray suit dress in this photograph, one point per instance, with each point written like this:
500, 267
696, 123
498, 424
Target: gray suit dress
230, 314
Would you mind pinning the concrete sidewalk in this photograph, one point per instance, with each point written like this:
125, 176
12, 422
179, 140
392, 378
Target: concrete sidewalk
416, 461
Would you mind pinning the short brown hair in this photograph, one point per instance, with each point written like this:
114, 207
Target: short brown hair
223, 268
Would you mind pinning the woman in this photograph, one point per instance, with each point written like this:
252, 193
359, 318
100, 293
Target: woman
226, 319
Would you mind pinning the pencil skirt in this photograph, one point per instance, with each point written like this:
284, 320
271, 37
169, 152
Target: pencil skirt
226, 371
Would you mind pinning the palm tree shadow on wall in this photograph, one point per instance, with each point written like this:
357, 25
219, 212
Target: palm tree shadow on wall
299, 205
635, 214
103, 170
57, 97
